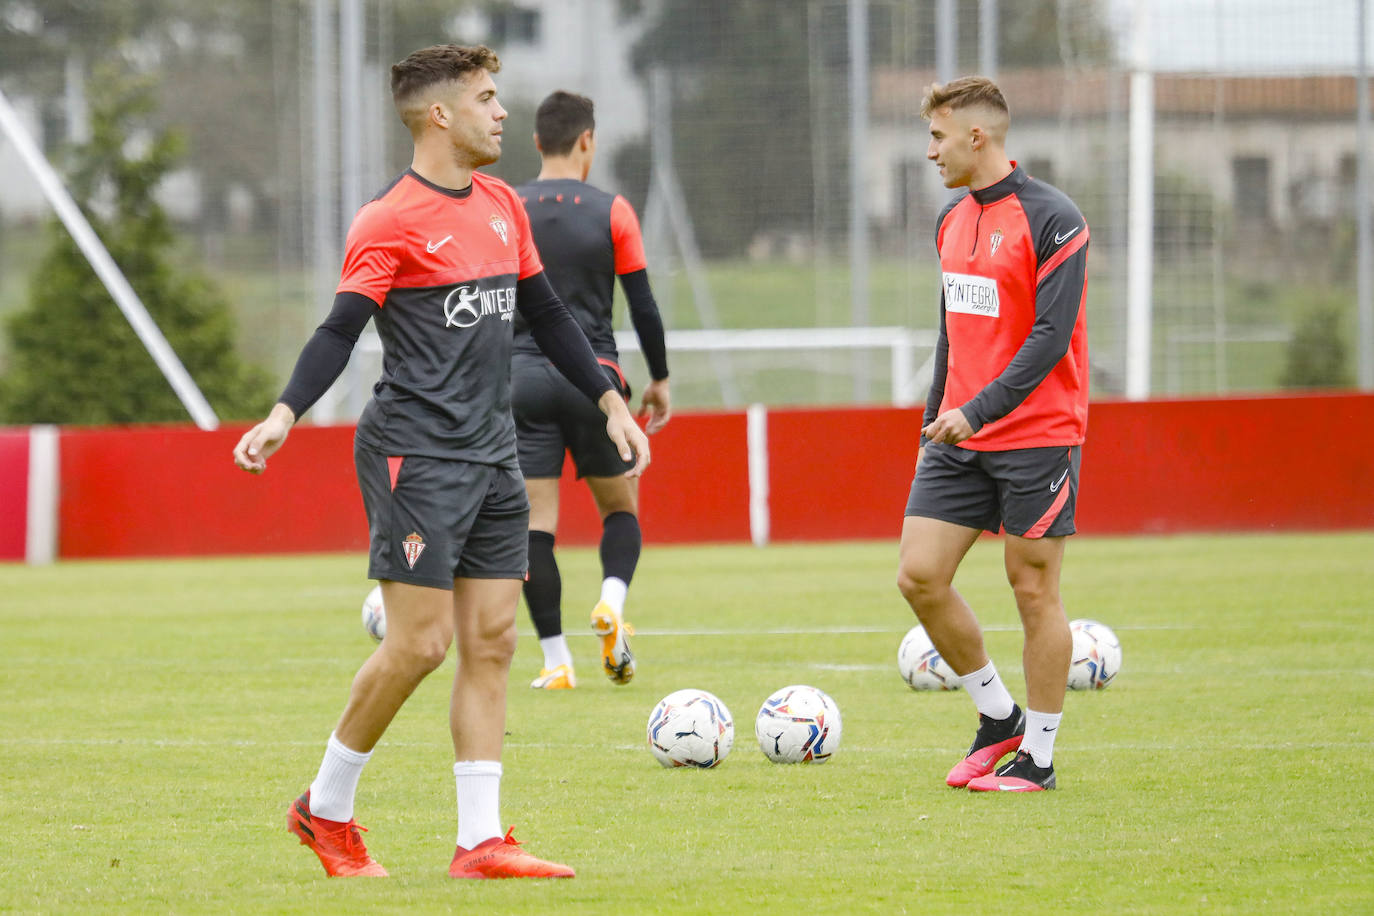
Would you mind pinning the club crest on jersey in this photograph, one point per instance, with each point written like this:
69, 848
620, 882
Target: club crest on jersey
498, 225
413, 545
995, 241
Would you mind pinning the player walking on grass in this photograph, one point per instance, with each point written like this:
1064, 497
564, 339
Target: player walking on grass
586, 238
441, 259
1004, 422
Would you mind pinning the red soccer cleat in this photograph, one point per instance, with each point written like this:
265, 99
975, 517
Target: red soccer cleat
503, 858
1021, 775
996, 739
338, 844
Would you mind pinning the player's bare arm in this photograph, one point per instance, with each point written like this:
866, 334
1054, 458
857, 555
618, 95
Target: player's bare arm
656, 404
258, 444
622, 429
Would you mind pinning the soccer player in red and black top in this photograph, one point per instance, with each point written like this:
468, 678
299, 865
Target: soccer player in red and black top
586, 238
1004, 422
442, 260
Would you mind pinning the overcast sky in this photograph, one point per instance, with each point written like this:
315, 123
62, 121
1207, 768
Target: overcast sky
1252, 35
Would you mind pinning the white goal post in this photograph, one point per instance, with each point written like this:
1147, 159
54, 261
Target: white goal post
909, 379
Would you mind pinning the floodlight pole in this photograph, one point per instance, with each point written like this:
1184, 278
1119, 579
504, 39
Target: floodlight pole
858, 202
1140, 210
1363, 268
106, 269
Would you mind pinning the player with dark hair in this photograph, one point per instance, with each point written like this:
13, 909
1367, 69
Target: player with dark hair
442, 260
1004, 422
586, 238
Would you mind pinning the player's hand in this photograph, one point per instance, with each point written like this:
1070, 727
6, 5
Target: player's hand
950, 427
656, 405
622, 429
262, 440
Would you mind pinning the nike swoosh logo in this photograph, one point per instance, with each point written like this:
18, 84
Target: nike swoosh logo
1054, 487
1046, 728
432, 247
988, 681
1061, 239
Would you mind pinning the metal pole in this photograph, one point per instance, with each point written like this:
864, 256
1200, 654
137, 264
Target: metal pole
858, 202
987, 38
106, 269
1140, 211
321, 140
946, 40
1363, 268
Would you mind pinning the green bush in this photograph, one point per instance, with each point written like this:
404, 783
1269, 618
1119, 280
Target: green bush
73, 358
1317, 353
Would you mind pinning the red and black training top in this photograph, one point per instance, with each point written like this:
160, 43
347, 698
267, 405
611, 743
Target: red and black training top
1012, 352
586, 238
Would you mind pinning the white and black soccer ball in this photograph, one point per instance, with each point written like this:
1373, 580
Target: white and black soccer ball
690, 728
920, 664
374, 614
1096, 655
798, 724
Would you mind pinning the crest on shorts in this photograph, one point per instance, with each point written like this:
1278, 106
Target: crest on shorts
412, 545
498, 226
995, 240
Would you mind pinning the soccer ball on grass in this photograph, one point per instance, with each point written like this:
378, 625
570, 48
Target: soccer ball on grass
920, 664
690, 728
798, 724
1096, 655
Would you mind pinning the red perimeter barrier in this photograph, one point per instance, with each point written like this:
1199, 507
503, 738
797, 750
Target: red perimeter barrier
1238, 464
14, 492
174, 491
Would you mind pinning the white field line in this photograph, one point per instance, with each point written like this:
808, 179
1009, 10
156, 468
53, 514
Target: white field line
1148, 747
845, 631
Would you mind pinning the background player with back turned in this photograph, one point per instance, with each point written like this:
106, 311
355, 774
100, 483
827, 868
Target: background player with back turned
586, 238
442, 260
1004, 422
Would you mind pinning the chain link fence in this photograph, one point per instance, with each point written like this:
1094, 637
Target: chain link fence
775, 153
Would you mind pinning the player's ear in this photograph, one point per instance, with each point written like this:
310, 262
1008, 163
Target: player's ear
438, 114
585, 139
977, 137
537, 144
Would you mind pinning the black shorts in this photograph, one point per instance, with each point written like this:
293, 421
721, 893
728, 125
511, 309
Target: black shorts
433, 520
1029, 492
552, 416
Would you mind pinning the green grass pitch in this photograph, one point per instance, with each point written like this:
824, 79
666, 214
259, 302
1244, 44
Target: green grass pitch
159, 716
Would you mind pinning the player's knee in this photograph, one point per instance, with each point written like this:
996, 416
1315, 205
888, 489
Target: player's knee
919, 584
1034, 588
420, 653
492, 646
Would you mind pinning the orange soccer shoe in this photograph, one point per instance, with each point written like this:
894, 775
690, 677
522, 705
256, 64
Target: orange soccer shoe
337, 843
503, 858
616, 658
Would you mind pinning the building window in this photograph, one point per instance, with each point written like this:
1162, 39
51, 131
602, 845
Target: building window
514, 25
1250, 180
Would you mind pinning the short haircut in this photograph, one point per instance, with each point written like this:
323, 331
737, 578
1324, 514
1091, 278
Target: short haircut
560, 120
431, 66
965, 92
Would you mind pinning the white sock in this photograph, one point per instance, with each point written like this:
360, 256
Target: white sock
1041, 727
613, 592
331, 794
479, 801
555, 651
988, 692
